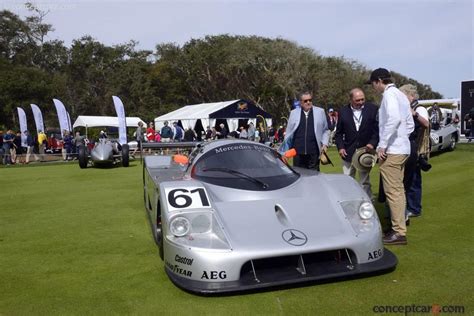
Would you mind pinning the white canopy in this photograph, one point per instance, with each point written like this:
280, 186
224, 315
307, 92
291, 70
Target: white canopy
232, 111
102, 121
441, 102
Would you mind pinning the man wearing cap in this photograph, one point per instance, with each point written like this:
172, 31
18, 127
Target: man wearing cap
395, 126
357, 127
307, 133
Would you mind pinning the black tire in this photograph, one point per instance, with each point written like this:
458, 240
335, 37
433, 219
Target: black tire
82, 157
125, 155
159, 241
452, 142
145, 199
158, 233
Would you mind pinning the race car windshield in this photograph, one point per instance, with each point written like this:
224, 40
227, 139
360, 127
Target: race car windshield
244, 166
240, 174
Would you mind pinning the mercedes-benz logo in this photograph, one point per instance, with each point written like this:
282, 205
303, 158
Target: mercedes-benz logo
294, 237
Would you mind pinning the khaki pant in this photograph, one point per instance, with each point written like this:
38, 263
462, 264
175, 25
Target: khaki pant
29, 152
41, 149
392, 170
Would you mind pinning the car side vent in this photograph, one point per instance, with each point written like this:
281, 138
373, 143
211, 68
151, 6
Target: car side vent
281, 215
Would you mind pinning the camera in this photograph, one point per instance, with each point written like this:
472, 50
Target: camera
423, 163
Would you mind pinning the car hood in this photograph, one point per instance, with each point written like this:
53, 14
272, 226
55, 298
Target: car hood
309, 209
102, 152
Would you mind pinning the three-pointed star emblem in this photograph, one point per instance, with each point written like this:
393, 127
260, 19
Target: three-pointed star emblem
294, 237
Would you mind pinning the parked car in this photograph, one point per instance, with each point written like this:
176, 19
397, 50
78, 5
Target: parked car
447, 135
105, 152
234, 217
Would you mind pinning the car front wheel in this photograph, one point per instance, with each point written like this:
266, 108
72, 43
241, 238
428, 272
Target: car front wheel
452, 143
159, 241
82, 157
125, 155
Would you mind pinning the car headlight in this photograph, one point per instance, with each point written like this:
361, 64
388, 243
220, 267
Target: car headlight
361, 215
179, 226
199, 229
366, 210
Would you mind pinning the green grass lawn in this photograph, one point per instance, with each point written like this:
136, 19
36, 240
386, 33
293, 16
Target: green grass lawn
78, 242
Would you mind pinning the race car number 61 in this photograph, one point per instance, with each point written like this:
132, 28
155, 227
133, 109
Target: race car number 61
187, 198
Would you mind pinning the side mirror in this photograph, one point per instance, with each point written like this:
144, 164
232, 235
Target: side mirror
181, 159
290, 153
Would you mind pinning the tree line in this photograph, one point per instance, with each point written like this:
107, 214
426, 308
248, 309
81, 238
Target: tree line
268, 72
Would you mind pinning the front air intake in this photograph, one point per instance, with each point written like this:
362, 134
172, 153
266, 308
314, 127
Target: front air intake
302, 266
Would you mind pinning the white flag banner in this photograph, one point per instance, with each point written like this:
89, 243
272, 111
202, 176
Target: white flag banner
38, 118
69, 122
119, 108
62, 116
23, 125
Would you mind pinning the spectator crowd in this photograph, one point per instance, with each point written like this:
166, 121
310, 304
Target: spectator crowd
39, 147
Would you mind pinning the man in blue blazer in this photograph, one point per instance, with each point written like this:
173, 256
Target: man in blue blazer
307, 132
357, 127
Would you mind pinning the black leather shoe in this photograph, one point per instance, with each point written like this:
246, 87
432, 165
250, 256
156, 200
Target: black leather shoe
394, 239
388, 232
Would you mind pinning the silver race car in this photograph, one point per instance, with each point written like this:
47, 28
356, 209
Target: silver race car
233, 217
105, 152
444, 138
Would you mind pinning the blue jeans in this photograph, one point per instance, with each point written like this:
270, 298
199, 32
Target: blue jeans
414, 193
6, 154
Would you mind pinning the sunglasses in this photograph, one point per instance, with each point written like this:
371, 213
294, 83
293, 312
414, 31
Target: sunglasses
307, 100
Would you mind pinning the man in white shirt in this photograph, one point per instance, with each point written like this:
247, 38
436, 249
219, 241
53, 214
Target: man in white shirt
395, 126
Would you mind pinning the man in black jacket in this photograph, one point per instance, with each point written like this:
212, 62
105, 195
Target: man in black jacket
357, 127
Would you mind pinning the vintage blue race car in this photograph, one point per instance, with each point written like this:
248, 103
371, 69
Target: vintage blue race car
234, 217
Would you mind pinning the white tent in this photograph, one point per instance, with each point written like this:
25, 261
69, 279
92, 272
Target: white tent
231, 111
454, 103
103, 121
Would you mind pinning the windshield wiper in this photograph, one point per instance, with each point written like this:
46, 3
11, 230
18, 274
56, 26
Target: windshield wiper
238, 173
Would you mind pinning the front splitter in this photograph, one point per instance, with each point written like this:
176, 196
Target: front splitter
386, 264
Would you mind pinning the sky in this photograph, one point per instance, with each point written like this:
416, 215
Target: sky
431, 41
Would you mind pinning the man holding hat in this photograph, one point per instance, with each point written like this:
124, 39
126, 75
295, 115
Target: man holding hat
357, 129
395, 126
